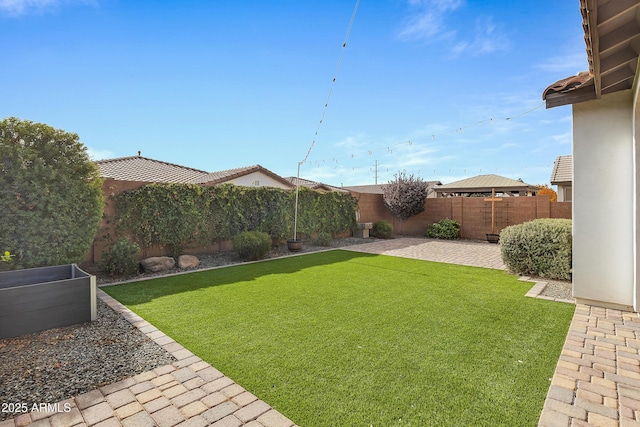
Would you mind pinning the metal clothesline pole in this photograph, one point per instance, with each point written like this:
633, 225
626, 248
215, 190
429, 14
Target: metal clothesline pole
295, 214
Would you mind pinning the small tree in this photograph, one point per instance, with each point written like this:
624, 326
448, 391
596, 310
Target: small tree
50, 194
545, 189
405, 195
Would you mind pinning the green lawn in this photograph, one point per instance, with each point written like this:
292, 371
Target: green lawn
348, 339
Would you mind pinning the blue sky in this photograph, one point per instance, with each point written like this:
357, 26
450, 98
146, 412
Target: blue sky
436, 88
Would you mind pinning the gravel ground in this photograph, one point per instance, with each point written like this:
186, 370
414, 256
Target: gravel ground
558, 289
59, 363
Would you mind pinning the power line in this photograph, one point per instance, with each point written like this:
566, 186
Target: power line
333, 82
324, 111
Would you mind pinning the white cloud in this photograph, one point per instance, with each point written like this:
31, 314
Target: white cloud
99, 154
21, 7
569, 64
429, 22
487, 40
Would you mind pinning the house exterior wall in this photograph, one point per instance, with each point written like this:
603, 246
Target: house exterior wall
564, 192
603, 201
636, 199
257, 179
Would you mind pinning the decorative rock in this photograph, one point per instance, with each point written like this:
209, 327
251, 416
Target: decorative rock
188, 261
158, 263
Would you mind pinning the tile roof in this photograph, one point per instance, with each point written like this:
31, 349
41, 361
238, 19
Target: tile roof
611, 32
562, 170
367, 189
314, 185
220, 177
379, 188
578, 86
483, 183
143, 169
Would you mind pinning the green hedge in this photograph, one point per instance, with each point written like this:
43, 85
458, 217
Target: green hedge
382, 230
178, 215
121, 258
447, 229
540, 248
252, 245
50, 195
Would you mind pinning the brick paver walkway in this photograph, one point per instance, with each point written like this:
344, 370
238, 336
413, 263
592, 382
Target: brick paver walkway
597, 379
463, 252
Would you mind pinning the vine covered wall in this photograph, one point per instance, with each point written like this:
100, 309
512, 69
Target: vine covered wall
181, 215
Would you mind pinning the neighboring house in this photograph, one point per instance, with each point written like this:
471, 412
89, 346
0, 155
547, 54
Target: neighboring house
485, 185
249, 176
143, 169
562, 176
606, 155
318, 186
379, 188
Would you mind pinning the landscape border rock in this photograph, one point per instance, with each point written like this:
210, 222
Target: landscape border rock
188, 261
158, 263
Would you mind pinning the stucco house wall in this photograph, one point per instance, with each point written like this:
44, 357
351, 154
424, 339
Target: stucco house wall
257, 179
604, 200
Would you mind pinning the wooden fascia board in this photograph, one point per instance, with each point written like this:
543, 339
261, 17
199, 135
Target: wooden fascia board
619, 76
619, 59
594, 38
614, 9
582, 94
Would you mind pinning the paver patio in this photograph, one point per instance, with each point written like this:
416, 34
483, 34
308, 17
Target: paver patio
596, 381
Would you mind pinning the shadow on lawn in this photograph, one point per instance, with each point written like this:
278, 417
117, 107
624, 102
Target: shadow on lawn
146, 290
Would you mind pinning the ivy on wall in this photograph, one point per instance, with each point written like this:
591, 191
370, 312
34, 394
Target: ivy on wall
178, 215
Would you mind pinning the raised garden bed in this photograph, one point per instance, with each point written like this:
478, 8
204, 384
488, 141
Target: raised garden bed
36, 299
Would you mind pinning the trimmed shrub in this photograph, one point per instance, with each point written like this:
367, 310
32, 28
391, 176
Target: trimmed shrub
252, 245
448, 229
541, 247
121, 258
382, 230
50, 195
323, 239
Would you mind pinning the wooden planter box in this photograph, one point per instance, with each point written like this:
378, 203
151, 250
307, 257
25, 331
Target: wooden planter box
36, 299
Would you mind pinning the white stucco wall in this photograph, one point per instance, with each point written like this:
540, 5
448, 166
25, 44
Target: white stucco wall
257, 179
603, 200
636, 199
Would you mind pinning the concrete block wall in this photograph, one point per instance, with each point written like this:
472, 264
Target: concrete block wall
473, 213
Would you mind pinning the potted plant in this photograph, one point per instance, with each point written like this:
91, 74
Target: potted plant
294, 245
493, 238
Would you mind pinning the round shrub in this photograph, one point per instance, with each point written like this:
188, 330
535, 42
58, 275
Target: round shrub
50, 195
252, 245
448, 229
323, 239
541, 247
382, 230
121, 258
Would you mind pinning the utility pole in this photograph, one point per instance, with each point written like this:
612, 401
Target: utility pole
375, 170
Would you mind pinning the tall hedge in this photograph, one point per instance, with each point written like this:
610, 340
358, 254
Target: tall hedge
50, 195
166, 214
541, 247
180, 214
